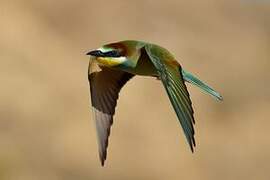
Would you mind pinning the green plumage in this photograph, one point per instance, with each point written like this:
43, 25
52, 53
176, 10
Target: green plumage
194, 80
112, 65
173, 82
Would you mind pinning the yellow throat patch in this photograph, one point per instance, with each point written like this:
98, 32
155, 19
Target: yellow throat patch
110, 62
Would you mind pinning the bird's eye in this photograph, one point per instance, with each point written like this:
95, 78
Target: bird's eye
113, 53
99, 53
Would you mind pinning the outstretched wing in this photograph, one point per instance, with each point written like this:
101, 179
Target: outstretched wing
169, 72
105, 85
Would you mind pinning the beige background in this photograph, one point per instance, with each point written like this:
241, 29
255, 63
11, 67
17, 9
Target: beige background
46, 130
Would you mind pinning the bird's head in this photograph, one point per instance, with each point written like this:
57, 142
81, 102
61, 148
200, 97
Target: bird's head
120, 53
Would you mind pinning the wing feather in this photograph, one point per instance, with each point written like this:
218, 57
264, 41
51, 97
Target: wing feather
170, 74
105, 85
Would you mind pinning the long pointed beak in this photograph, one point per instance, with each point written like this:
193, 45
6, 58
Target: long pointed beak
94, 53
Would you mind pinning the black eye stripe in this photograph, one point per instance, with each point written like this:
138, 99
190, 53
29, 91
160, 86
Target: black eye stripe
112, 54
99, 53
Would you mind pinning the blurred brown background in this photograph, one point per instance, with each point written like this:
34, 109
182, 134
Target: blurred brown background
46, 130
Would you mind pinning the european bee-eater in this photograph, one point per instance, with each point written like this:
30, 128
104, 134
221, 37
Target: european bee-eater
112, 65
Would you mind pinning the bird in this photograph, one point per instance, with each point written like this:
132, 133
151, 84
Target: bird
113, 64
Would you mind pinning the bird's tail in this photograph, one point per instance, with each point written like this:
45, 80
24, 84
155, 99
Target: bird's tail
194, 80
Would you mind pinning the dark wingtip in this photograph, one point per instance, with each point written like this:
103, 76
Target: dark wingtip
192, 144
103, 158
192, 148
102, 163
